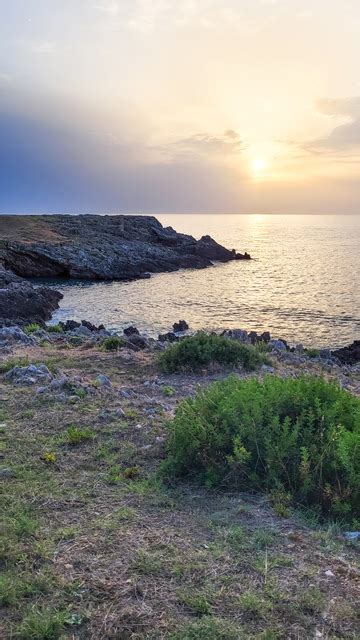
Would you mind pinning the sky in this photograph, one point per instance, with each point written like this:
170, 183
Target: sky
186, 106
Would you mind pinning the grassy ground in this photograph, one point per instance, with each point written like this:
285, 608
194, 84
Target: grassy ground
94, 546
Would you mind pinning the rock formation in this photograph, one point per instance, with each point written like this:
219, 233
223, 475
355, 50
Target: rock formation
101, 247
21, 302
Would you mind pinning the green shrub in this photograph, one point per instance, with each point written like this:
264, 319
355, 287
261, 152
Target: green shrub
204, 349
75, 436
54, 328
113, 343
300, 436
312, 353
10, 363
31, 328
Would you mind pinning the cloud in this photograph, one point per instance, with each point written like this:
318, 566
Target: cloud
54, 161
344, 137
110, 8
207, 146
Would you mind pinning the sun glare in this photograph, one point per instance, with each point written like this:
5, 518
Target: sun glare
258, 166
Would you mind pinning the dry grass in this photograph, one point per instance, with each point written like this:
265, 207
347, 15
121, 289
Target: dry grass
89, 553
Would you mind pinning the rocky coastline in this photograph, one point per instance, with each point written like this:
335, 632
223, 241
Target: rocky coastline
86, 335
90, 247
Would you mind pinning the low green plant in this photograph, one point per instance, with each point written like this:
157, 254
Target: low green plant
14, 362
32, 327
75, 436
297, 437
75, 341
13, 587
113, 343
254, 603
208, 628
42, 624
55, 328
168, 391
312, 353
195, 601
203, 349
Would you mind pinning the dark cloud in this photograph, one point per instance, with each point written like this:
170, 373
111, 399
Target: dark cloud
48, 163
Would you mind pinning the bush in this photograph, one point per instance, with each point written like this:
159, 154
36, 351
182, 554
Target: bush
205, 349
75, 436
31, 328
297, 436
113, 343
54, 328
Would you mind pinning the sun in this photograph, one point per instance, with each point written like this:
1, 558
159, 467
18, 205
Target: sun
258, 166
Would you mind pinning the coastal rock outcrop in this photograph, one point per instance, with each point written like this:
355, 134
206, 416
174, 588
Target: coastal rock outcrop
101, 247
21, 302
350, 354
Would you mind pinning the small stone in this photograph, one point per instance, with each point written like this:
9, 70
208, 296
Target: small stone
7, 473
103, 380
329, 574
352, 535
41, 390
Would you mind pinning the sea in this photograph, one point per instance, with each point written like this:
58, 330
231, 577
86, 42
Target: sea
302, 285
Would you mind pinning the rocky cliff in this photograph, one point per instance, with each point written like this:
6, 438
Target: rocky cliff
101, 247
21, 303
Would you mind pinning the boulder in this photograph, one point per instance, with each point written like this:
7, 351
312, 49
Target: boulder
137, 341
237, 334
21, 303
180, 326
131, 331
70, 325
88, 325
277, 345
168, 337
32, 374
350, 354
15, 334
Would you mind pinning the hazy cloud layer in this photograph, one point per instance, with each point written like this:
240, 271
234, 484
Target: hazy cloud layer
161, 105
344, 137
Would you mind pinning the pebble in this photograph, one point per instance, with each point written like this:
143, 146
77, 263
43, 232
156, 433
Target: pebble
7, 473
352, 535
103, 380
329, 574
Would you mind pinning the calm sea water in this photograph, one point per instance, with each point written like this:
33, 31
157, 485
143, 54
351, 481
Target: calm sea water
304, 284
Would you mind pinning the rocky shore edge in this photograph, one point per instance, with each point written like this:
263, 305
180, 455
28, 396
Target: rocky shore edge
86, 335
